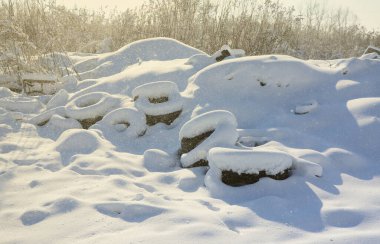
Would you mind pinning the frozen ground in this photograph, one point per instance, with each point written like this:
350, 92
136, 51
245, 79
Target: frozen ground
119, 184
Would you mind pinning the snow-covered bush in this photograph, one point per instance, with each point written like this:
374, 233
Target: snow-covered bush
203, 132
91, 107
246, 166
160, 101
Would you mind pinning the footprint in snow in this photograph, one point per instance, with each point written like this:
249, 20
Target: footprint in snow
343, 218
33, 217
59, 206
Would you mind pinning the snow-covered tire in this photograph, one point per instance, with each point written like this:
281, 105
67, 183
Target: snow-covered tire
44, 117
62, 123
90, 108
246, 166
203, 132
160, 101
59, 99
129, 121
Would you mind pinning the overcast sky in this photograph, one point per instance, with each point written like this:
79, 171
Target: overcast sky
368, 11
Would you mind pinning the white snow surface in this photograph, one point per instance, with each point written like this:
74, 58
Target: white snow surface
60, 185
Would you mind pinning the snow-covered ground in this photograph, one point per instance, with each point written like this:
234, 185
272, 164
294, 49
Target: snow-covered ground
121, 181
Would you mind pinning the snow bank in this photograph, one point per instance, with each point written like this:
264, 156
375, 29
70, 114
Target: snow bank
140, 51
250, 161
222, 123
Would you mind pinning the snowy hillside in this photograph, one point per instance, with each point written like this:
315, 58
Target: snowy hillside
121, 156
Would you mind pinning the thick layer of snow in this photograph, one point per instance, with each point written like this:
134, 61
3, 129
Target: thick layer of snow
155, 89
140, 51
250, 161
225, 134
101, 186
91, 105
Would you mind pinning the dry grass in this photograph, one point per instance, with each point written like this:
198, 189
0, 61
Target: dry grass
258, 27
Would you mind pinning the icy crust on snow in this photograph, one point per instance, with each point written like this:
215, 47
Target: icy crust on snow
224, 125
91, 105
129, 121
161, 49
142, 95
249, 161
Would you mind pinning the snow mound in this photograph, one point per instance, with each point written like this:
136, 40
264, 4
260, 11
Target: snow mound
250, 161
5, 92
200, 60
158, 160
244, 85
128, 121
73, 142
80, 141
222, 123
140, 51
91, 105
145, 96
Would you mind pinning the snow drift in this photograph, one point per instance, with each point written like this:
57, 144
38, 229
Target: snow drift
121, 180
